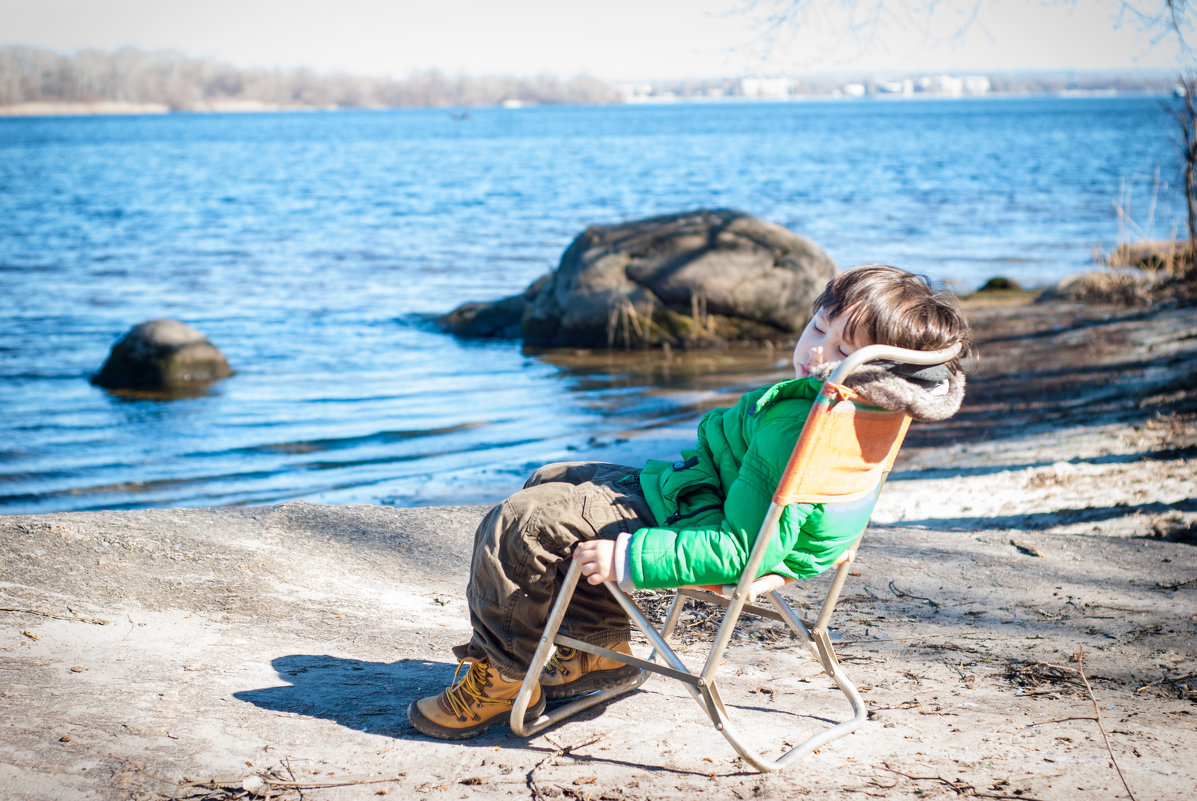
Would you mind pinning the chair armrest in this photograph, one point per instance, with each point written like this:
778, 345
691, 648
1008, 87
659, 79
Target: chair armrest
871, 353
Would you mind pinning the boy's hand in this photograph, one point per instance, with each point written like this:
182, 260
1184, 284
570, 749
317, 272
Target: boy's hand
598, 560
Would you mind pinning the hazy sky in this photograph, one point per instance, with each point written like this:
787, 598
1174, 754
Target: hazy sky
611, 39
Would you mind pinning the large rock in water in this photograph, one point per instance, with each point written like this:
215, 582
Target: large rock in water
693, 279
162, 354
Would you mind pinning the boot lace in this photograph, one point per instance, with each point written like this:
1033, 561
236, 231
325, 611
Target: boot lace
463, 695
560, 658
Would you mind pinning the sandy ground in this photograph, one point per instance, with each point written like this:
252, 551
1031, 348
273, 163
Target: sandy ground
1022, 626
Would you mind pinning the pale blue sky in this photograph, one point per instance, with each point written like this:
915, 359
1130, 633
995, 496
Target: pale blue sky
611, 39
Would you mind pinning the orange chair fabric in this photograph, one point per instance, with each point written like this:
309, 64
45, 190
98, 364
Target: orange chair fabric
845, 449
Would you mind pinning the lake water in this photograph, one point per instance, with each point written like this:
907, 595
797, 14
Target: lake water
309, 246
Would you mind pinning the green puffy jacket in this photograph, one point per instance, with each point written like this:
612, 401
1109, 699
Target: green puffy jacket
710, 505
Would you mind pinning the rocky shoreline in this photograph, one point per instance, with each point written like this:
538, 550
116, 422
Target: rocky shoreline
1022, 625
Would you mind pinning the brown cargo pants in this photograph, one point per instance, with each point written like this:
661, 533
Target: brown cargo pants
522, 550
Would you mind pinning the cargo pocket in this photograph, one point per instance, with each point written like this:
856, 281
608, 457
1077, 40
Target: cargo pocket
608, 513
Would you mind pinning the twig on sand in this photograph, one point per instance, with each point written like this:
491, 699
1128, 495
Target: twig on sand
1027, 548
130, 763
901, 594
291, 773
1061, 720
264, 784
77, 617
1079, 670
1175, 682
961, 787
561, 750
1177, 585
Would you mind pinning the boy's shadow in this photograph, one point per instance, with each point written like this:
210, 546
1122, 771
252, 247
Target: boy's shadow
368, 696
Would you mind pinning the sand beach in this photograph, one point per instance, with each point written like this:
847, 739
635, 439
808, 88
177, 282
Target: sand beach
1022, 626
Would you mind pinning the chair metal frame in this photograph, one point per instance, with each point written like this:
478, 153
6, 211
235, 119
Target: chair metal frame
741, 598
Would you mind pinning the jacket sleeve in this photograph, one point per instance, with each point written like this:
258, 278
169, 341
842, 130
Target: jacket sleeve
717, 551
661, 557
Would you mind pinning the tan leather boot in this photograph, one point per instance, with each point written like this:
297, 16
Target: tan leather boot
480, 700
571, 672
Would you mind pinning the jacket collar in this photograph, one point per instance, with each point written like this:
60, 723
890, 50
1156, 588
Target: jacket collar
795, 388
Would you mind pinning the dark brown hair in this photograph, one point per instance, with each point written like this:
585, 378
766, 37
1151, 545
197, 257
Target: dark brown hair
890, 306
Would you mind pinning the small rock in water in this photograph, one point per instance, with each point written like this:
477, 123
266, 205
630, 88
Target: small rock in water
162, 354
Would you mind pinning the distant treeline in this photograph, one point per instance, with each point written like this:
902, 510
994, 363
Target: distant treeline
34, 75
171, 80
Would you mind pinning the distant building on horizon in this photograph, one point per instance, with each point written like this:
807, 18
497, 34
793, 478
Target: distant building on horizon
776, 88
939, 85
952, 86
904, 87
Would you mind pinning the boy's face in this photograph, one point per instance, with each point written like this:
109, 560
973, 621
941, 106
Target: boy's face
823, 340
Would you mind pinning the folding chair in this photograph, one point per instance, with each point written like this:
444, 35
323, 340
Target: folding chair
843, 455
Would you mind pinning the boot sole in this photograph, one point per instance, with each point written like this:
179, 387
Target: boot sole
593, 682
433, 729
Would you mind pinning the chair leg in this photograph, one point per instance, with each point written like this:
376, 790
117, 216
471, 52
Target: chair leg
819, 643
791, 619
672, 617
705, 692
541, 657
